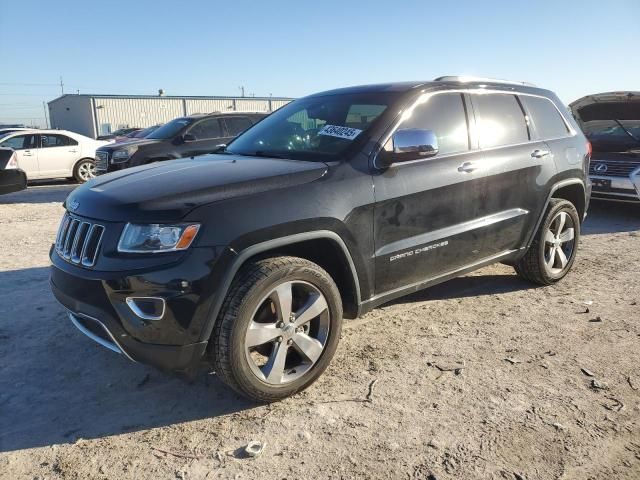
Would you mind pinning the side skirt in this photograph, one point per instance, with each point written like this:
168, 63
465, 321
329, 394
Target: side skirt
385, 297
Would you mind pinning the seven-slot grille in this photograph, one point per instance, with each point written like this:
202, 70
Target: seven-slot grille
615, 168
78, 241
102, 161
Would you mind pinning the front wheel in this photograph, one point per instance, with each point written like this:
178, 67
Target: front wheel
84, 170
278, 329
553, 250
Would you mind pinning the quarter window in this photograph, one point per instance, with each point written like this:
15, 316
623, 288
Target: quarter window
237, 125
209, 128
445, 115
546, 118
500, 120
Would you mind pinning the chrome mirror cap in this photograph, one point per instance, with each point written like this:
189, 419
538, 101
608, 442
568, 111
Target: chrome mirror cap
424, 143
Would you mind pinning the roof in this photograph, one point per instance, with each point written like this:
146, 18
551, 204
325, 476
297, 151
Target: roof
175, 97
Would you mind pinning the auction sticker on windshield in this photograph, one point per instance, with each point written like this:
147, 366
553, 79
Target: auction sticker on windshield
341, 132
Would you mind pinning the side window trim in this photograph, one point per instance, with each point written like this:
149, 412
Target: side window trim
476, 145
569, 129
525, 117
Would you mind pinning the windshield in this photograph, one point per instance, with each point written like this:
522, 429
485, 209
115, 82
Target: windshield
612, 126
170, 129
143, 133
625, 129
313, 128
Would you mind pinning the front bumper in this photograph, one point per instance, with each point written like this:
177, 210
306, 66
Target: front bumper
619, 189
97, 303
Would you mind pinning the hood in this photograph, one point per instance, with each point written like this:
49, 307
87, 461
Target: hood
130, 142
167, 191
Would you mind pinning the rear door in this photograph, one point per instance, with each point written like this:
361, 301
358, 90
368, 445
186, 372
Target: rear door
57, 155
208, 134
516, 167
26, 147
425, 219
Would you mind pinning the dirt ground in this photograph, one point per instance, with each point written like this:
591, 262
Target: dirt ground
484, 377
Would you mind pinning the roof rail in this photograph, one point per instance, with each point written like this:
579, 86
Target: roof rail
466, 78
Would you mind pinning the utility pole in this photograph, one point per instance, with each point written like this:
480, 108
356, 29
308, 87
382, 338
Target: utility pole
61, 87
46, 120
241, 90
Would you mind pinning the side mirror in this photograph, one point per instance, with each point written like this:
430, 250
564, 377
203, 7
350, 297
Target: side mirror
410, 144
189, 137
220, 148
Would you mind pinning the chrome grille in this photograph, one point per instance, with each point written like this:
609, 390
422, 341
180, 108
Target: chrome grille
614, 168
78, 241
102, 161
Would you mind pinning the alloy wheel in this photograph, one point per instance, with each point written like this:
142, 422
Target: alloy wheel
559, 243
287, 333
87, 171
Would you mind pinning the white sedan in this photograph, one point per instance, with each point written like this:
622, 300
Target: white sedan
53, 153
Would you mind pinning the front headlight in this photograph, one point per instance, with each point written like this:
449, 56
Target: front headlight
123, 155
156, 238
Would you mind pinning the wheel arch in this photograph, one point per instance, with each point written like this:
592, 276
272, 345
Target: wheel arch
312, 246
78, 162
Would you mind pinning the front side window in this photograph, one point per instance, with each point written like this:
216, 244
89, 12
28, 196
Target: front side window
49, 141
314, 128
20, 142
237, 125
443, 114
500, 120
546, 118
205, 129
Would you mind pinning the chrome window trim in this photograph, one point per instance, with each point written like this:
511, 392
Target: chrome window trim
470, 91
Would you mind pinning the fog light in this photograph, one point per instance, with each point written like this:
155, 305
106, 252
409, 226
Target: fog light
147, 308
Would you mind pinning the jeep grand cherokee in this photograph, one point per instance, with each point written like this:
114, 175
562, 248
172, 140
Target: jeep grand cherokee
338, 202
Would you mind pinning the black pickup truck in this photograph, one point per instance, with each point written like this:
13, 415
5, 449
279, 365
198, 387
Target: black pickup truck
249, 259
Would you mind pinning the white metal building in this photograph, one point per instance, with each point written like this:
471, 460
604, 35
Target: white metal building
95, 115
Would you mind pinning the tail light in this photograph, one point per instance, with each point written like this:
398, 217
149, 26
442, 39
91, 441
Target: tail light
13, 161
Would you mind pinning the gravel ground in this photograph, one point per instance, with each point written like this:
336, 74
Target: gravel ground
483, 377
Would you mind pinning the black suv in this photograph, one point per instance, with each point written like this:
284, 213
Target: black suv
181, 137
336, 203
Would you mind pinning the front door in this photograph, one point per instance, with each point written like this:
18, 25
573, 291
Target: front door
425, 220
26, 147
207, 134
57, 156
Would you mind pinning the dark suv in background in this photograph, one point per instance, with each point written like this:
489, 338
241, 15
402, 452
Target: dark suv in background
611, 122
338, 202
181, 137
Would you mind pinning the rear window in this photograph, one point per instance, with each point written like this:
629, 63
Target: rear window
545, 116
500, 120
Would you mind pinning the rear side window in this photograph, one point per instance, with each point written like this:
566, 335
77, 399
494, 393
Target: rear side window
545, 116
237, 125
209, 128
500, 120
445, 115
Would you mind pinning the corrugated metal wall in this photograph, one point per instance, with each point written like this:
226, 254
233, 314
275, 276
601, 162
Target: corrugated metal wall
114, 113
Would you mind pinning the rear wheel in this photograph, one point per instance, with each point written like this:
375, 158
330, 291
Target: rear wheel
553, 250
84, 170
278, 329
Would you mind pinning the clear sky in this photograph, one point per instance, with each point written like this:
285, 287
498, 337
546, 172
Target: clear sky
293, 48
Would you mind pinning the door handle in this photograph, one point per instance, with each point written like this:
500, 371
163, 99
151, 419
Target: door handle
467, 167
27, 153
539, 153
73, 151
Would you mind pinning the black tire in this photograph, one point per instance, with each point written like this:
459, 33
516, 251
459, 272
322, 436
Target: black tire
228, 351
78, 171
532, 266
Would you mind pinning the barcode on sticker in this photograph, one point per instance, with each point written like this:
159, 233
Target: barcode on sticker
341, 132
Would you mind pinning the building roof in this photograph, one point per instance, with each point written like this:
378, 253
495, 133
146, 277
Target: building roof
175, 97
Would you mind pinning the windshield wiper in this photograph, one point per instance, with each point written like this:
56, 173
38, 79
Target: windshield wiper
626, 131
263, 154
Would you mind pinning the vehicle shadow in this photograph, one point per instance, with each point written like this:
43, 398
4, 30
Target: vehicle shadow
41, 192
56, 385
611, 217
468, 286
